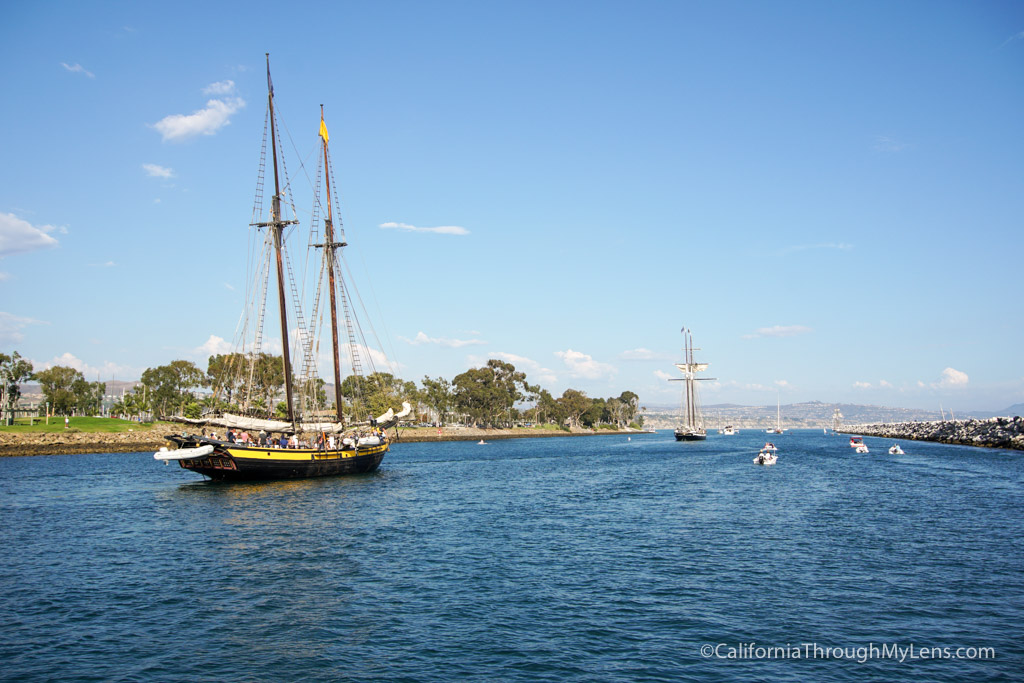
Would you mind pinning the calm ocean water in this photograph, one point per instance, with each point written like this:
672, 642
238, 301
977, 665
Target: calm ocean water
568, 559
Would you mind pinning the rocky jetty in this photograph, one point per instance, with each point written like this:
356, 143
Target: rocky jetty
995, 432
74, 441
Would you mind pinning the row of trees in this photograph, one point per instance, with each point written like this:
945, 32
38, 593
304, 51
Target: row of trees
65, 389
495, 395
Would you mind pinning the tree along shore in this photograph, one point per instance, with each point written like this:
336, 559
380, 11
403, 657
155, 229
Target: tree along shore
995, 432
72, 441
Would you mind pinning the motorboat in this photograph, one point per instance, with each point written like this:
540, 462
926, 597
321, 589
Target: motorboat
895, 450
861, 449
769, 446
856, 441
765, 457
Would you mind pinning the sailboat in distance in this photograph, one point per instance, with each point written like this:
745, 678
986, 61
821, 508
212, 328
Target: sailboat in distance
298, 438
692, 423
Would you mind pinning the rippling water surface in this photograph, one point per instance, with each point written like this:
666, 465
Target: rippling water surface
561, 559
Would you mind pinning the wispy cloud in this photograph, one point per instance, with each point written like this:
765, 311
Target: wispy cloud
422, 338
641, 353
779, 331
155, 171
17, 235
78, 69
107, 264
440, 230
884, 143
206, 121
662, 375
841, 246
11, 327
581, 365
1014, 37
220, 88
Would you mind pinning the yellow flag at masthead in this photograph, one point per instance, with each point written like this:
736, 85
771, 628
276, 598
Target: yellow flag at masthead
323, 130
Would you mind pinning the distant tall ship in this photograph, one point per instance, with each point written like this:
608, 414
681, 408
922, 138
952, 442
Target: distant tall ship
692, 427
778, 418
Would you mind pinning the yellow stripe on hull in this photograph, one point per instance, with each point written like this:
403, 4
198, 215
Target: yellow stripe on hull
300, 454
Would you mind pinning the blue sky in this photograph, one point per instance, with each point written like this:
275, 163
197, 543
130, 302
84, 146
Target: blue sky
830, 195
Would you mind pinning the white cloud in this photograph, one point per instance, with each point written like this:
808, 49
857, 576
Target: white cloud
778, 331
107, 264
155, 171
91, 373
952, 378
11, 327
17, 235
782, 383
422, 338
441, 230
662, 375
582, 365
206, 121
213, 346
4, 277
862, 385
77, 69
535, 372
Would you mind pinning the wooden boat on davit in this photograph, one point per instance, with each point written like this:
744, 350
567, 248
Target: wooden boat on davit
258, 442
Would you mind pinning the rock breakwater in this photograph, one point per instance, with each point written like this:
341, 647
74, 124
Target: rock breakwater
994, 432
74, 441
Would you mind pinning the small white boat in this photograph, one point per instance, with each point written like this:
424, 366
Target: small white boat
730, 430
861, 449
765, 458
895, 450
182, 453
856, 441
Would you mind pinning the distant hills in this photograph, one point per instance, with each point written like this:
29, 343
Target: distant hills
814, 414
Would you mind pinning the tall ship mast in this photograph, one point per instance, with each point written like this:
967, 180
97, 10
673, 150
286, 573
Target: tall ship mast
298, 437
692, 422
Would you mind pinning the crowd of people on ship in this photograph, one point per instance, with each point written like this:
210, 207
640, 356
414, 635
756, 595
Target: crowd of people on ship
322, 441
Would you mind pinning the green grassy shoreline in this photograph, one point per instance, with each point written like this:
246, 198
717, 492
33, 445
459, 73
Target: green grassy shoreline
110, 435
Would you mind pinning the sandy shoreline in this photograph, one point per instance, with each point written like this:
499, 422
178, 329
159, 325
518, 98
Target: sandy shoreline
75, 442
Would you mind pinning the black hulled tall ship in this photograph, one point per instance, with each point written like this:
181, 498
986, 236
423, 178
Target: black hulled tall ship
691, 426
256, 441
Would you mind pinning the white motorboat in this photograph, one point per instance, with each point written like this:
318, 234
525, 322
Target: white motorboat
769, 446
861, 449
765, 457
895, 450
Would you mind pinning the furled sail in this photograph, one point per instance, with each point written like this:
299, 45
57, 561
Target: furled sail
254, 424
692, 367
